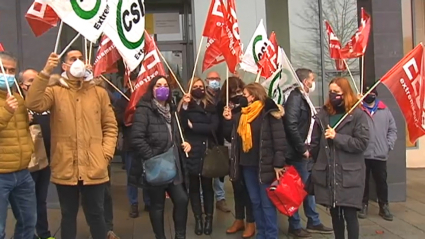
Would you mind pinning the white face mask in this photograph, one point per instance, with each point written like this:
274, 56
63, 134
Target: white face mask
78, 69
312, 87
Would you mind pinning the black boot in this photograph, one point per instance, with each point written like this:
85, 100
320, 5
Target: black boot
199, 225
180, 235
195, 202
208, 224
363, 213
384, 212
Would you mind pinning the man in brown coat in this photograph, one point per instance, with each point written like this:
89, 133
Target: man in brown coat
83, 134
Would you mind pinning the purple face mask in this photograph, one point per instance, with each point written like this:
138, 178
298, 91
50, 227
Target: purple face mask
162, 93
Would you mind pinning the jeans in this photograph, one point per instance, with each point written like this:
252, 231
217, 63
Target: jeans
108, 205
42, 180
92, 200
132, 192
243, 204
179, 198
265, 213
342, 215
220, 194
195, 183
309, 202
18, 189
379, 174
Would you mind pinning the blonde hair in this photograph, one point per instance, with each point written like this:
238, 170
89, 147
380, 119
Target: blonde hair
258, 91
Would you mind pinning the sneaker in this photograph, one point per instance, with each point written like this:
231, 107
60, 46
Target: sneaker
299, 233
384, 212
134, 211
222, 206
363, 213
111, 235
319, 229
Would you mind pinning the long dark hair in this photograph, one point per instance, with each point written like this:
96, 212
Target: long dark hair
148, 96
235, 83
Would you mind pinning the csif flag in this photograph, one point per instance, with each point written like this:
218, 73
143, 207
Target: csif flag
406, 81
268, 63
255, 50
106, 58
41, 17
151, 67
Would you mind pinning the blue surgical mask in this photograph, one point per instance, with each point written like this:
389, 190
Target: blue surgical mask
9, 78
214, 84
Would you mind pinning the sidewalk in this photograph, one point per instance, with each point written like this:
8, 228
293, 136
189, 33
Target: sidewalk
409, 217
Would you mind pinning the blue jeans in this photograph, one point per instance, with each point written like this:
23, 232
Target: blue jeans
18, 189
132, 192
309, 203
218, 185
265, 213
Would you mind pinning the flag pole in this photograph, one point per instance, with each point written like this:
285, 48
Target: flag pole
257, 78
352, 78
356, 104
86, 54
113, 86
227, 87
90, 51
171, 70
69, 45
362, 74
180, 130
19, 88
196, 63
58, 37
128, 78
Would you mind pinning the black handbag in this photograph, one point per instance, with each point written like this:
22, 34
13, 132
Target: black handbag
216, 160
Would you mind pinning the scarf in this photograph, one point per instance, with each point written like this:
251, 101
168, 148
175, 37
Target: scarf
372, 109
248, 114
163, 110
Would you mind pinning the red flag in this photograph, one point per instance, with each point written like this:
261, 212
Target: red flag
41, 17
230, 40
340, 65
106, 57
334, 43
268, 62
1, 47
406, 81
356, 47
215, 19
213, 55
151, 67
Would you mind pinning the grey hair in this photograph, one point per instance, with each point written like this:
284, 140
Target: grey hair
7, 55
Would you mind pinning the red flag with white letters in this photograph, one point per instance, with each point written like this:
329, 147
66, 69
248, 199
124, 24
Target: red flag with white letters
268, 63
213, 55
41, 17
215, 20
106, 57
356, 47
151, 67
335, 48
406, 81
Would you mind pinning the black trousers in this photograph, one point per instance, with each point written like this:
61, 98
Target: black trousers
195, 183
42, 180
92, 200
379, 173
179, 198
108, 205
340, 217
242, 201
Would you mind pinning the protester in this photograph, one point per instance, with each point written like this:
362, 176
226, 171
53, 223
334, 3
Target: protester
298, 126
41, 177
154, 132
243, 204
84, 135
16, 184
199, 122
132, 191
213, 90
257, 133
383, 134
339, 168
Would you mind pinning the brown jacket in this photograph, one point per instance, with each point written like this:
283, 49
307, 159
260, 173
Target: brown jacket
16, 144
83, 126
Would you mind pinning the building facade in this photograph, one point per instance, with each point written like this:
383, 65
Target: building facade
397, 26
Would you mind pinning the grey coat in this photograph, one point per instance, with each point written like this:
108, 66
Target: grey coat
383, 133
338, 174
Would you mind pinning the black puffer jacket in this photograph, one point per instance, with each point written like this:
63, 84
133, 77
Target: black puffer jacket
296, 121
120, 106
204, 123
150, 137
273, 143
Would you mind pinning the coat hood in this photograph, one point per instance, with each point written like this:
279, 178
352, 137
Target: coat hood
276, 110
61, 80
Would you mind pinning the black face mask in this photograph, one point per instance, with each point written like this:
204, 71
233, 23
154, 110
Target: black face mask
198, 93
336, 100
243, 101
369, 99
236, 99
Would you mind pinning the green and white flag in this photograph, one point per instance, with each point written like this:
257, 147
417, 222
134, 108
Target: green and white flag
126, 28
282, 81
255, 49
87, 17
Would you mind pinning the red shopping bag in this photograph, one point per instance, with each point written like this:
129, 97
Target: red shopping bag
287, 193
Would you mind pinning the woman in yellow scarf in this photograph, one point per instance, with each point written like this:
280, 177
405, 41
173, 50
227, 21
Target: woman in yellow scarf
258, 144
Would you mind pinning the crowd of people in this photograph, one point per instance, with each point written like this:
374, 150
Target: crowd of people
80, 126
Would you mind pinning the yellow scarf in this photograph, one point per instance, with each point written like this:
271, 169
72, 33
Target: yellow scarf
244, 129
